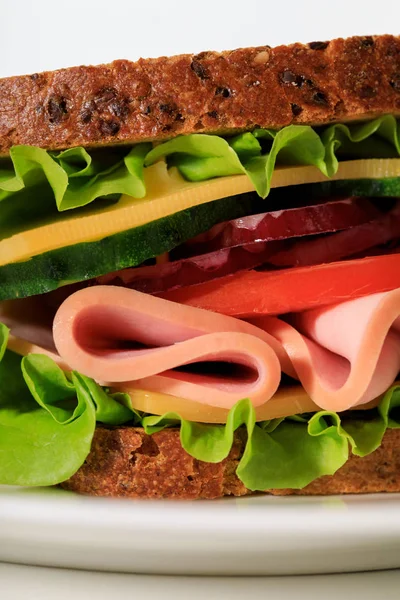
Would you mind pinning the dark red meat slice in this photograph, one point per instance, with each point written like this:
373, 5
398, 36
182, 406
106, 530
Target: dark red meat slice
284, 253
349, 242
328, 217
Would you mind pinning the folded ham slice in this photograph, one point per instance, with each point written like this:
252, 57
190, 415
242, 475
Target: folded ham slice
343, 355
115, 334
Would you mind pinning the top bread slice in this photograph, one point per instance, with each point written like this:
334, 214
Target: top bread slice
211, 92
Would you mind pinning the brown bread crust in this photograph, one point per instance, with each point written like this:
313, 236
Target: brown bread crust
125, 462
154, 99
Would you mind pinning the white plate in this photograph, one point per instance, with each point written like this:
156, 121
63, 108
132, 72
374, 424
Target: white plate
248, 536
44, 583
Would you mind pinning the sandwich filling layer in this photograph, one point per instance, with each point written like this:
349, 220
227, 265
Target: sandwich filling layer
278, 319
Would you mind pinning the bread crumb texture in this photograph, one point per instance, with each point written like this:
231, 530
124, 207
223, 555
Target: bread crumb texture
126, 462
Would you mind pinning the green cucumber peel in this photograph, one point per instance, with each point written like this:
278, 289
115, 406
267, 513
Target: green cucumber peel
48, 271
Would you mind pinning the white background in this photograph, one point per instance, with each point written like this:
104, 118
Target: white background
37, 35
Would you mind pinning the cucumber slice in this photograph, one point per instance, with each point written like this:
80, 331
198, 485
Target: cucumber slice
307, 192
80, 262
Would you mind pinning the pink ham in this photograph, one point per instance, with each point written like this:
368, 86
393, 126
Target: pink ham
116, 334
343, 355
346, 354
30, 320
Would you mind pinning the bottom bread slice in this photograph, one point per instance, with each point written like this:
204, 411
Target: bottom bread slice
126, 462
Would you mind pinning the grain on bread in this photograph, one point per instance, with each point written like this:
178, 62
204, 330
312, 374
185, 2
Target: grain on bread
211, 92
126, 462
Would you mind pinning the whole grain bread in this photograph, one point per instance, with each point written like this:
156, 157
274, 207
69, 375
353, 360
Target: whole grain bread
126, 462
221, 92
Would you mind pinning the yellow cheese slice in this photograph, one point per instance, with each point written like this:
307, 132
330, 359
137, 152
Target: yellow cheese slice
287, 401
168, 193
23, 347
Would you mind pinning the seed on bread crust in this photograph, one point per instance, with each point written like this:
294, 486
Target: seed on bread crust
318, 45
57, 109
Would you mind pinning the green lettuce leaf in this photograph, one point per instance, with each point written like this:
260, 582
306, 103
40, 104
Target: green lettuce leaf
48, 419
4, 332
379, 138
286, 453
200, 157
35, 184
75, 177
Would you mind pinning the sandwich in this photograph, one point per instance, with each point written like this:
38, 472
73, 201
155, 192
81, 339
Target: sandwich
200, 273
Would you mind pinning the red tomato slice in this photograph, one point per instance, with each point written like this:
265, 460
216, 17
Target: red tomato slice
251, 293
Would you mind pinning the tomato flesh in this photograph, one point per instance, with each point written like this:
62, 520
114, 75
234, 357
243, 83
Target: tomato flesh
250, 293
